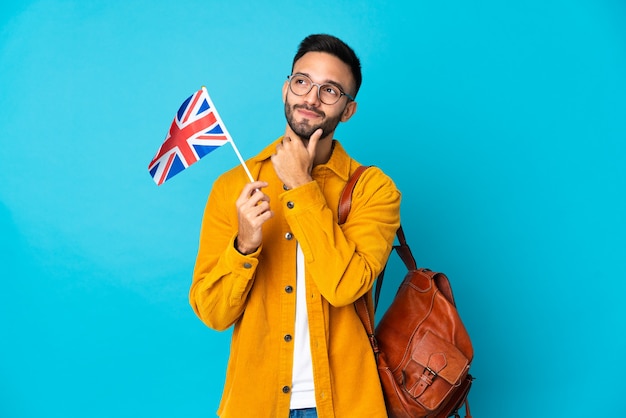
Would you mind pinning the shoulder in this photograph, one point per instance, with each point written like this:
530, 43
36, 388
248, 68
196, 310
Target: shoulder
373, 182
374, 179
231, 180
375, 190
373, 174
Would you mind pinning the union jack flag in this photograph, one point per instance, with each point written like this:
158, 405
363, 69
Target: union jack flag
196, 131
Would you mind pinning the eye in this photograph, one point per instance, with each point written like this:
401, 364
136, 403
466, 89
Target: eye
331, 90
301, 81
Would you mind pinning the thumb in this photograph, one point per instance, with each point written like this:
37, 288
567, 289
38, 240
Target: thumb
313, 140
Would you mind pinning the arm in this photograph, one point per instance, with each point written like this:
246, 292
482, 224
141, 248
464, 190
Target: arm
230, 242
345, 260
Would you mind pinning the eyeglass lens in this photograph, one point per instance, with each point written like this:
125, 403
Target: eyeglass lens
327, 93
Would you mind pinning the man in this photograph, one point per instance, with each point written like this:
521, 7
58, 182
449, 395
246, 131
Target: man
274, 262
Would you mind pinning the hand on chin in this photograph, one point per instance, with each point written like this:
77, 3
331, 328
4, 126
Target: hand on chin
294, 158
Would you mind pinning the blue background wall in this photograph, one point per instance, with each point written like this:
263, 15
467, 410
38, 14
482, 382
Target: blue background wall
502, 123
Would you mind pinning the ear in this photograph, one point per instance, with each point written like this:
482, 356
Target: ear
348, 111
285, 88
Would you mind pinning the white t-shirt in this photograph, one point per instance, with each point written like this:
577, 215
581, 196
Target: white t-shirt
302, 388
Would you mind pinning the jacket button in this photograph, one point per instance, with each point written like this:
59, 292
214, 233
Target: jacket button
288, 289
285, 188
247, 265
287, 338
290, 205
288, 236
286, 389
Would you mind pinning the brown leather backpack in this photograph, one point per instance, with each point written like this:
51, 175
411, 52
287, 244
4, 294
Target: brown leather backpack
421, 346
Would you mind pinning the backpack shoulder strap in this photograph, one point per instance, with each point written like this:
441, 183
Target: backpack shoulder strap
403, 249
345, 201
345, 204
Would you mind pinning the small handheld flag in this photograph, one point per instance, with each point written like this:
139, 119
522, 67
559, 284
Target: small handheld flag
196, 130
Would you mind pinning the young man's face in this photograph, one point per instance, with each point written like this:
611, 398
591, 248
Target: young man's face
305, 114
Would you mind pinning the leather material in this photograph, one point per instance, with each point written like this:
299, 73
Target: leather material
421, 345
345, 201
425, 350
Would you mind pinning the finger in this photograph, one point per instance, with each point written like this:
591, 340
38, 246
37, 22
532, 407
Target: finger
249, 217
312, 145
257, 198
287, 144
249, 190
252, 187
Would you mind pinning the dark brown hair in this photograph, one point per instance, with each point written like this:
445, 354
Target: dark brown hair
334, 46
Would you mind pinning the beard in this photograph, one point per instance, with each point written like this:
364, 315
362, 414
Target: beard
304, 129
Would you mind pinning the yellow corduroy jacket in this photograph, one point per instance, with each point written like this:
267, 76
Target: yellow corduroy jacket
257, 294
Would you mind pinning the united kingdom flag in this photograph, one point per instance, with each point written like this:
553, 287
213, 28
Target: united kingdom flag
196, 131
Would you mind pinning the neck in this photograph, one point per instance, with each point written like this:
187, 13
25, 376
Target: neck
324, 150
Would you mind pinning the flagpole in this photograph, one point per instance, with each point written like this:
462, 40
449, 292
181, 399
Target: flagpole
230, 139
243, 163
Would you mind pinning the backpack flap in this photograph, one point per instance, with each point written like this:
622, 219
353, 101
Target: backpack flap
435, 368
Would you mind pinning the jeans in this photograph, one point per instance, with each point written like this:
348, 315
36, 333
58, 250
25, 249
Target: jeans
303, 413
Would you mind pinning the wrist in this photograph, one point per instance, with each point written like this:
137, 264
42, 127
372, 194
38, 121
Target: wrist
300, 181
242, 249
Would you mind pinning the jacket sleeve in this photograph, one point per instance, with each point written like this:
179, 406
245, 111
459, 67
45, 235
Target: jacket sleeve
344, 261
222, 276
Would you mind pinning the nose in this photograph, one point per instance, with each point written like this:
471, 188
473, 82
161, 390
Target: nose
313, 96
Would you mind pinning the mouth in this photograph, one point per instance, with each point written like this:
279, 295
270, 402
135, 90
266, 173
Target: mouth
309, 113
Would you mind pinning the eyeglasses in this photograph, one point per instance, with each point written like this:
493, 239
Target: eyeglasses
329, 94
